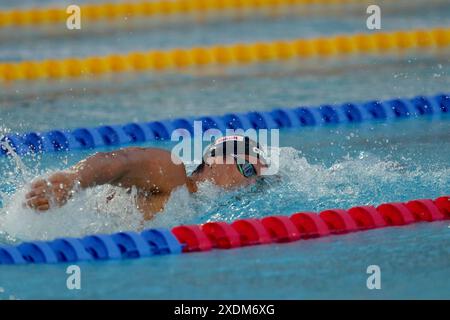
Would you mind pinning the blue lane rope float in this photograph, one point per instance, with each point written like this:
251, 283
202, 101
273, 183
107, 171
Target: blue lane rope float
117, 246
222, 235
116, 135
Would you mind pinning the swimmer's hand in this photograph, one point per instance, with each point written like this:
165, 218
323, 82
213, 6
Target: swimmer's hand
55, 190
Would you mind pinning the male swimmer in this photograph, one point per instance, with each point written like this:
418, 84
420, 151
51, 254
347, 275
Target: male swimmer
230, 161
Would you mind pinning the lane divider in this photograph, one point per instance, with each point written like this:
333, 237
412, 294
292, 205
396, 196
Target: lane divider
120, 10
126, 134
234, 54
221, 235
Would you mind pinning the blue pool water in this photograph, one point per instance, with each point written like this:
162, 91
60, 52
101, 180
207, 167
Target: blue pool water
337, 167
321, 168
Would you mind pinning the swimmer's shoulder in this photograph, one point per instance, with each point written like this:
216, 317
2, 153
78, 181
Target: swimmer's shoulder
154, 154
164, 168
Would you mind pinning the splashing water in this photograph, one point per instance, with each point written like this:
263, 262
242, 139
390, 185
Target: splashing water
298, 186
302, 186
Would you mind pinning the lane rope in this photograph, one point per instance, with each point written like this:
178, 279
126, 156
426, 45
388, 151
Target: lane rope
377, 43
131, 133
119, 10
222, 235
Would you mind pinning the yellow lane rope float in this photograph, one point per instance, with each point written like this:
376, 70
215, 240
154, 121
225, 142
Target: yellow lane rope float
233, 54
111, 11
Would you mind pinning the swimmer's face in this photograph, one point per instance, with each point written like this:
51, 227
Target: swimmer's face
226, 174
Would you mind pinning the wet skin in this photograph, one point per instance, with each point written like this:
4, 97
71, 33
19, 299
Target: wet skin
150, 170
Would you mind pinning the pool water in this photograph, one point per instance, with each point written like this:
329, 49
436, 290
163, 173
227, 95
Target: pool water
320, 168
336, 167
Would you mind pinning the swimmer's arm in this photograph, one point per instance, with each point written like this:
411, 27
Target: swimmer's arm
98, 169
150, 170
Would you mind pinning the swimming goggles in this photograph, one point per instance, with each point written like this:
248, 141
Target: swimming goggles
246, 169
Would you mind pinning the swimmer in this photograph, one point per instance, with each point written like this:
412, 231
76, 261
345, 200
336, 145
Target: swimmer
229, 162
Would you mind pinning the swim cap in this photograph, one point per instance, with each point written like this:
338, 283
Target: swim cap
235, 146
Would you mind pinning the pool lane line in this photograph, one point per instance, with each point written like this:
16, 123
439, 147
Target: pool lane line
111, 11
85, 138
222, 235
376, 43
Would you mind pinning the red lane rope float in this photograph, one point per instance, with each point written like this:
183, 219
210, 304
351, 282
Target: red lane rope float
443, 203
222, 235
396, 214
310, 225
193, 238
367, 217
252, 232
339, 221
281, 228
305, 225
425, 210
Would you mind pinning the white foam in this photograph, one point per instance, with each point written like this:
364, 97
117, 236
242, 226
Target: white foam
88, 212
